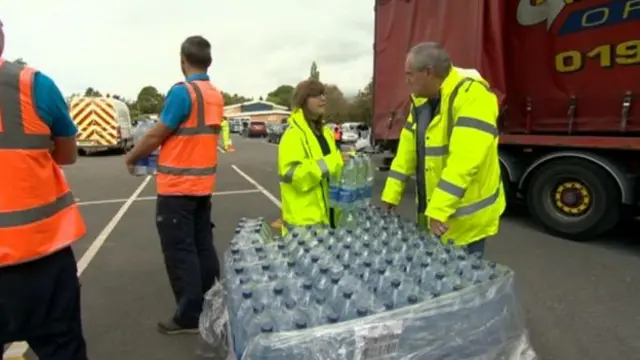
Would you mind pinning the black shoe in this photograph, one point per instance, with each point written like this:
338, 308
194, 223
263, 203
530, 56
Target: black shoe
170, 327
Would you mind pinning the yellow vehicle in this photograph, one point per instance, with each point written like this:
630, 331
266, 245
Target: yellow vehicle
103, 124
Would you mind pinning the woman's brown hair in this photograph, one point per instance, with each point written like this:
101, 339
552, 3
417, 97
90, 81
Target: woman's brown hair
303, 91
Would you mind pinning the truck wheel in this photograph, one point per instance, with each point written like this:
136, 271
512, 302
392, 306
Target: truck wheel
574, 198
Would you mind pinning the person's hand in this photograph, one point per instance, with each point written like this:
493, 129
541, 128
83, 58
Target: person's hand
437, 227
388, 207
346, 156
130, 165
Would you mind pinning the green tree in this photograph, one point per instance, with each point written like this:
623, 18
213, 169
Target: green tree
232, 99
282, 95
20, 61
91, 92
361, 106
337, 106
314, 74
149, 100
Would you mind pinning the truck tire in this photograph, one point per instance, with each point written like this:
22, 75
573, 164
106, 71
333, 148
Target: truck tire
574, 198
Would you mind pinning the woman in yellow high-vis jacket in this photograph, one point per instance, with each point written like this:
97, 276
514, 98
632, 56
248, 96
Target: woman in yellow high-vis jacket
307, 158
450, 143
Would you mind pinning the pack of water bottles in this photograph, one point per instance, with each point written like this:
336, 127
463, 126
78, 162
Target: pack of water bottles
380, 289
353, 187
148, 165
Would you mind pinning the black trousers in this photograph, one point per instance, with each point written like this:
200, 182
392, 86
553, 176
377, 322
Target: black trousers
186, 235
40, 304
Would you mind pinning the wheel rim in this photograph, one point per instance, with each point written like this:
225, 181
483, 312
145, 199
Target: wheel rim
571, 198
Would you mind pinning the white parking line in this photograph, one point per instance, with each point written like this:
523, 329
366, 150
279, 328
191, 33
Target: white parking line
260, 188
17, 350
145, 198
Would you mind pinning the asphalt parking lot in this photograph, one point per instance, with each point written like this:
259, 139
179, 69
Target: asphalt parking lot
580, 300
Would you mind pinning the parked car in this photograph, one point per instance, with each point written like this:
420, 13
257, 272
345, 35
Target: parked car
275, 136
349, 136
256, 129
235, 126
271, 127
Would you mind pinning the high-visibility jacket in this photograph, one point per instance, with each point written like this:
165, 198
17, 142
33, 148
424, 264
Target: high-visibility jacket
305, 173
38, 212
188, 158
453, 151
226, 134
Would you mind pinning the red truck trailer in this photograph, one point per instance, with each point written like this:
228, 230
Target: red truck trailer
567, 73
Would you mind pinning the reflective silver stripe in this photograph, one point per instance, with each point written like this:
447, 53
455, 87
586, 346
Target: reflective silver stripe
12, 135
451, 188
197, 131
398, 176
201, 127
170, 170
408, 126
29, 216
477, 124
436, 150
452, 100
323, 167
477, 206
287, 178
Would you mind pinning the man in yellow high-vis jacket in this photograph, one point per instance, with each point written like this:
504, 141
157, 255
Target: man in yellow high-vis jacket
226, 135
450, 143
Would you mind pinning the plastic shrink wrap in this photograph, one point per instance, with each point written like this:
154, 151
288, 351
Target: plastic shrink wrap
476, 321
213, 325
480, 322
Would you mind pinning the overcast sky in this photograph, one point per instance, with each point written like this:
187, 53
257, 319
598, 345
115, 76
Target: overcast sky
118, 46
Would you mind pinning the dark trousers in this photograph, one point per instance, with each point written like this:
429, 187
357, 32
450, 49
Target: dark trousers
477, 247
186, 235
40, 304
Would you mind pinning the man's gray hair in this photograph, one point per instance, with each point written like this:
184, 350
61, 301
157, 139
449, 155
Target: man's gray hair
431, 55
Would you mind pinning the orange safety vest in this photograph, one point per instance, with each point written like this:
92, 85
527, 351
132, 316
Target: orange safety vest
337, 134
38, 213
188, 158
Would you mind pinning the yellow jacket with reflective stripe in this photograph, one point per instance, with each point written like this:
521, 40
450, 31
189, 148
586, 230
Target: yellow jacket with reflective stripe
226, 134
456, 157
304, 173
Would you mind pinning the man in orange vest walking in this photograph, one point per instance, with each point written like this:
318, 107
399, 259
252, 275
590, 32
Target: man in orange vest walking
337, 135
188, 132
39, 219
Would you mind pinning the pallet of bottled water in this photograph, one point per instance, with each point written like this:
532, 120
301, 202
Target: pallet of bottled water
377, 289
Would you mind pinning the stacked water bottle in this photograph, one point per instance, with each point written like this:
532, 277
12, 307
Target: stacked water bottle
318, 276
353, 187
149, 164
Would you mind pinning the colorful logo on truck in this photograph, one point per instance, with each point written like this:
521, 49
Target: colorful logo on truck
568, 17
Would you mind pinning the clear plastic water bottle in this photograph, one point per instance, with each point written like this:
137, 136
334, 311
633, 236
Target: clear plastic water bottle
371, 172
147, 165
152, 162
334, 190
348, 186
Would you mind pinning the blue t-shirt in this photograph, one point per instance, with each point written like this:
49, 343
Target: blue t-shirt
51, 107
177, 104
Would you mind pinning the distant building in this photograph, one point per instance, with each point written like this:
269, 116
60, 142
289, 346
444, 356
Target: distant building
257, 110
